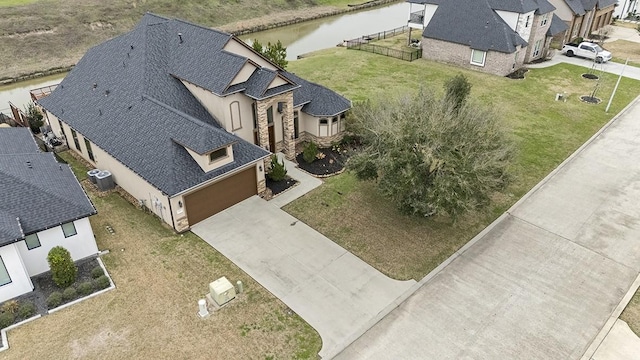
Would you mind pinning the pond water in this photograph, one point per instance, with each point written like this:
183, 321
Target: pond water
328, 32
299, 39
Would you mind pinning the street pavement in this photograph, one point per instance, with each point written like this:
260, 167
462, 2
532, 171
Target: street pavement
547, 280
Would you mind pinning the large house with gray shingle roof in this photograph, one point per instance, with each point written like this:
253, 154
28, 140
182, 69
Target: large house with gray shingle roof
184, 116
495, 36
584, 17
42, 205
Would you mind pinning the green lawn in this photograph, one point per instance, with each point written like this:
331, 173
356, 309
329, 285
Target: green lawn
353, 214
4, 3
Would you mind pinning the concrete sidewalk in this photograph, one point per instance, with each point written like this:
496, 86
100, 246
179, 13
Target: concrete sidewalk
609, 67
305, 184
338, 294
546, 280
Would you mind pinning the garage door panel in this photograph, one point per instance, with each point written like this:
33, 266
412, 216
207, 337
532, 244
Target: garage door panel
220, 195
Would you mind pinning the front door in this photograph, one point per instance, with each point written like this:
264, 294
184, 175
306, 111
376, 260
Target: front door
272, 138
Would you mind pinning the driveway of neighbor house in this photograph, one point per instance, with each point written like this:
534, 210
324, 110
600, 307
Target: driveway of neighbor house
333, 290
608, 67
547, 280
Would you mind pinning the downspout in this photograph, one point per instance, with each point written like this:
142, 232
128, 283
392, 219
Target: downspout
173, 221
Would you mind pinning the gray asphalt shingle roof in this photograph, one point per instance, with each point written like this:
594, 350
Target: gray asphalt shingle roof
477, 26
317, 99
517, 6
123, 98
17, 141
557, 26
36, 189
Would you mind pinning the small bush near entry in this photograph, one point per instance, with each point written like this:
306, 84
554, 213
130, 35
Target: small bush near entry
69, 293
278, 171
102, 282
54, 300
96, 272
27, 310
310, 151
86, 287
6, 319
63, 270
10, 306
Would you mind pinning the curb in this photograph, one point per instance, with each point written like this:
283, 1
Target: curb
433, 273
5, 340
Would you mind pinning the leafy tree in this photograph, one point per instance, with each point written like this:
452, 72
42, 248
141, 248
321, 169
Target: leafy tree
34, 117
278, 171
274, 52
428, 158
63, 270
456, 91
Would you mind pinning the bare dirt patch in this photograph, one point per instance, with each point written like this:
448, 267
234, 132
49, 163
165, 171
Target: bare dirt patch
94, 344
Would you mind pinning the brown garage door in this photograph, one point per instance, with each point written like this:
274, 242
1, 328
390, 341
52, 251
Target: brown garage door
220, 195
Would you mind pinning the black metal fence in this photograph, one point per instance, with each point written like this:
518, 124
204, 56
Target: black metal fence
363, 44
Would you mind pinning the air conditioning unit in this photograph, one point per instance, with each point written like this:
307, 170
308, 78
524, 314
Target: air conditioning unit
222, 291
104, 180
92, 174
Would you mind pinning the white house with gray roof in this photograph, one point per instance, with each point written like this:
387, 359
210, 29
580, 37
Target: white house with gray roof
184, 116
42, 205
495, 36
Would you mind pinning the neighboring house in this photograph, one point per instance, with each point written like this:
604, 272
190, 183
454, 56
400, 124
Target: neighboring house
583, 17
184, 116
495, 36
42, 205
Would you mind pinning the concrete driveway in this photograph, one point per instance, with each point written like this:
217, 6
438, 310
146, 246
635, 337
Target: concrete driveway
334, 291
547, 280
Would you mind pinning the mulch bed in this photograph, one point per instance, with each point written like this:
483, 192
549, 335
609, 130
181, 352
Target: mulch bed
518, 74
590, 76
332, 163
590, 99
277, 187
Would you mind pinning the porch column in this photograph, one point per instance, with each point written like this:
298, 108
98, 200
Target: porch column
288, 127
263, 125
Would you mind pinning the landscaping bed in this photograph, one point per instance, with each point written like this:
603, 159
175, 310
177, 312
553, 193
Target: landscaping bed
328, 162
277, 187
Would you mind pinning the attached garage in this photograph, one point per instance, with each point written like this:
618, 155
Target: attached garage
218, 196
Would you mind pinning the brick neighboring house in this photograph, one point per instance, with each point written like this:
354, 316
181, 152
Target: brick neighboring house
584, 17
495, 36
184, 116
42, 205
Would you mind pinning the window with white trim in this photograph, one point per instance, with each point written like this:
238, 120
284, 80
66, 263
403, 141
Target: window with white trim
218, 155
32, 241
69, 229
4, 274
545, 19
478, 57
537, 47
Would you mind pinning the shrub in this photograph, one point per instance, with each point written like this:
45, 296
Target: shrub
63, 270
96, 272
278, 171
86, 287
6, 319
102, 282
69, 293
310, 151
54, 300
10, 306
27, 310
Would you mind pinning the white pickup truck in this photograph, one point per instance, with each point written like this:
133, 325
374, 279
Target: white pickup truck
587, 50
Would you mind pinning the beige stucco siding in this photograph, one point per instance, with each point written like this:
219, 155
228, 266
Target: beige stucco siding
206, 165
244, 121
234, 46
244, 74
562, 10
214, 104
509, 17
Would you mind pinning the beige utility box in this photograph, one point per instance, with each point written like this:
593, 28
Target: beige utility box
222, 291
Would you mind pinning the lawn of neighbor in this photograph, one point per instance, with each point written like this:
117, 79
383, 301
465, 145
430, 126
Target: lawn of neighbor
152, 313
